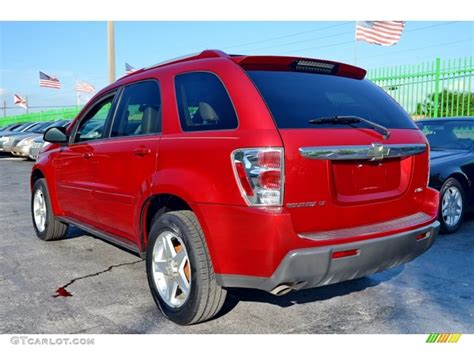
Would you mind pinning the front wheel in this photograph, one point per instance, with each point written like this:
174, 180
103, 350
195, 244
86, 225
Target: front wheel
451, 209
47, 226
179, 269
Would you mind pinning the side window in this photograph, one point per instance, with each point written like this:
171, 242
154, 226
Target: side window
139, 110
92, 126
203, 103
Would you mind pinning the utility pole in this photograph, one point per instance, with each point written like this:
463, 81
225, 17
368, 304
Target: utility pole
111, 50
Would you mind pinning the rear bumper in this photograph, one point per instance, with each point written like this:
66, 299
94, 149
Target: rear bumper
312, 267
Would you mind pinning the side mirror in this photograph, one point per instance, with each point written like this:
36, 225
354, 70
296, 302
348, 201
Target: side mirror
55, 135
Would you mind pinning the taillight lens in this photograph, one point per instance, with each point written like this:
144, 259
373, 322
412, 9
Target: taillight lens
260, 175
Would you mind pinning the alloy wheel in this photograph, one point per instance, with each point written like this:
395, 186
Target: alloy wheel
171, 269
39, 210
451, 206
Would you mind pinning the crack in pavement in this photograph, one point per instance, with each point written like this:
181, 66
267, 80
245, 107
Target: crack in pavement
63, 292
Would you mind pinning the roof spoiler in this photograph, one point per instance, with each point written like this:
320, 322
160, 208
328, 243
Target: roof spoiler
311, 65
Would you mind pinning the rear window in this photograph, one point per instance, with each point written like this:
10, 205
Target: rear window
295, 98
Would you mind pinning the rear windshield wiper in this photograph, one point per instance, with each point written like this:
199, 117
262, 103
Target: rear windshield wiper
349, 120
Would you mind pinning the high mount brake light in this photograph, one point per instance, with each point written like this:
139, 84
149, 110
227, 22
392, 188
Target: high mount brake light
259, 175
314, 66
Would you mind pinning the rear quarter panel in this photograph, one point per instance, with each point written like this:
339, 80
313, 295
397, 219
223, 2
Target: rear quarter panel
197, 165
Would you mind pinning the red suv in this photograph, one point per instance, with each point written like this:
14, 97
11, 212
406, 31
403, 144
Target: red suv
274, 173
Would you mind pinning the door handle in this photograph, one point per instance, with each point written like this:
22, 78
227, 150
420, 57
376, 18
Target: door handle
142, 151
87, 155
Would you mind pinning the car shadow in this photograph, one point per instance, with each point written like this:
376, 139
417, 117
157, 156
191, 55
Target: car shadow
235, 296
74, 232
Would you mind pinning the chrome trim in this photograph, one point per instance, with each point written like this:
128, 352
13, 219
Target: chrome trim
367, 230
375, 151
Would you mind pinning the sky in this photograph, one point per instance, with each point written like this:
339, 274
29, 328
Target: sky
78, 50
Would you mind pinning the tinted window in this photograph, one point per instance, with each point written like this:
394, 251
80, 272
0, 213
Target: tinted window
19, 128
34, 127
139, 110
449, 135
42, 127
92, 126
295, 98
203, 103
58, 124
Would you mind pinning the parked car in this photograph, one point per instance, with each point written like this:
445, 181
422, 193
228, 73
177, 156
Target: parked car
38, 142
9, 127
452, 166
273, 173
36, 146
6, 136
22, 144
35, 130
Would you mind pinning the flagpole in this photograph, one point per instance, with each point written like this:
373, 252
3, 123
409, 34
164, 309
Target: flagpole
111, 50
355, 52
27, 106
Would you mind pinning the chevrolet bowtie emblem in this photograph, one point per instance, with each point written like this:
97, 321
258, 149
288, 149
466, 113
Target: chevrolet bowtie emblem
377, 151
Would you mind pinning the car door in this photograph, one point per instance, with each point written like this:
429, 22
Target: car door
74, 166
126, 161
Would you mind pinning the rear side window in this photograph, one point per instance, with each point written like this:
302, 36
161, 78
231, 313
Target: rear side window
294, 98
203, 103
452, 134
139, 110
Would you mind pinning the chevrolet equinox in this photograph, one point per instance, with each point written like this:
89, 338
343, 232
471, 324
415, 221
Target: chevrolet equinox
221, 171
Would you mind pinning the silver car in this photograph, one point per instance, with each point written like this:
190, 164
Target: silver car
22, 144
38, 143
36, 146
5, 137
35, 130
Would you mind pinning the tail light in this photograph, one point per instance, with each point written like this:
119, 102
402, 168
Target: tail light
260, 175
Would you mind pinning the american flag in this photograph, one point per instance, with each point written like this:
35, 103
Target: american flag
84, 87
19, 101
48, 81
129, 69
384, 33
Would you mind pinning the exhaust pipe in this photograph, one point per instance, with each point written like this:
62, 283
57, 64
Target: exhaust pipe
281, 290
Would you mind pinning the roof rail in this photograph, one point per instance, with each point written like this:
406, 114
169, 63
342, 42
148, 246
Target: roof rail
208, 53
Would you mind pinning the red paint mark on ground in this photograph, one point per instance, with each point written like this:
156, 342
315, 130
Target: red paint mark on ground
62, 292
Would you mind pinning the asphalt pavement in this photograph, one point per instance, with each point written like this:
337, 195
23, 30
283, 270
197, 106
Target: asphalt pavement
109, 291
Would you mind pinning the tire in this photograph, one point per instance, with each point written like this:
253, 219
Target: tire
52, 229
204, 297
451, 191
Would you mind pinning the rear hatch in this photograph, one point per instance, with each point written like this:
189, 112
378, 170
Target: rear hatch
343, 175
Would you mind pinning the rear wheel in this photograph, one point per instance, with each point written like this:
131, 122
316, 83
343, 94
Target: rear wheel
47, 226
451, 209
179, 269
